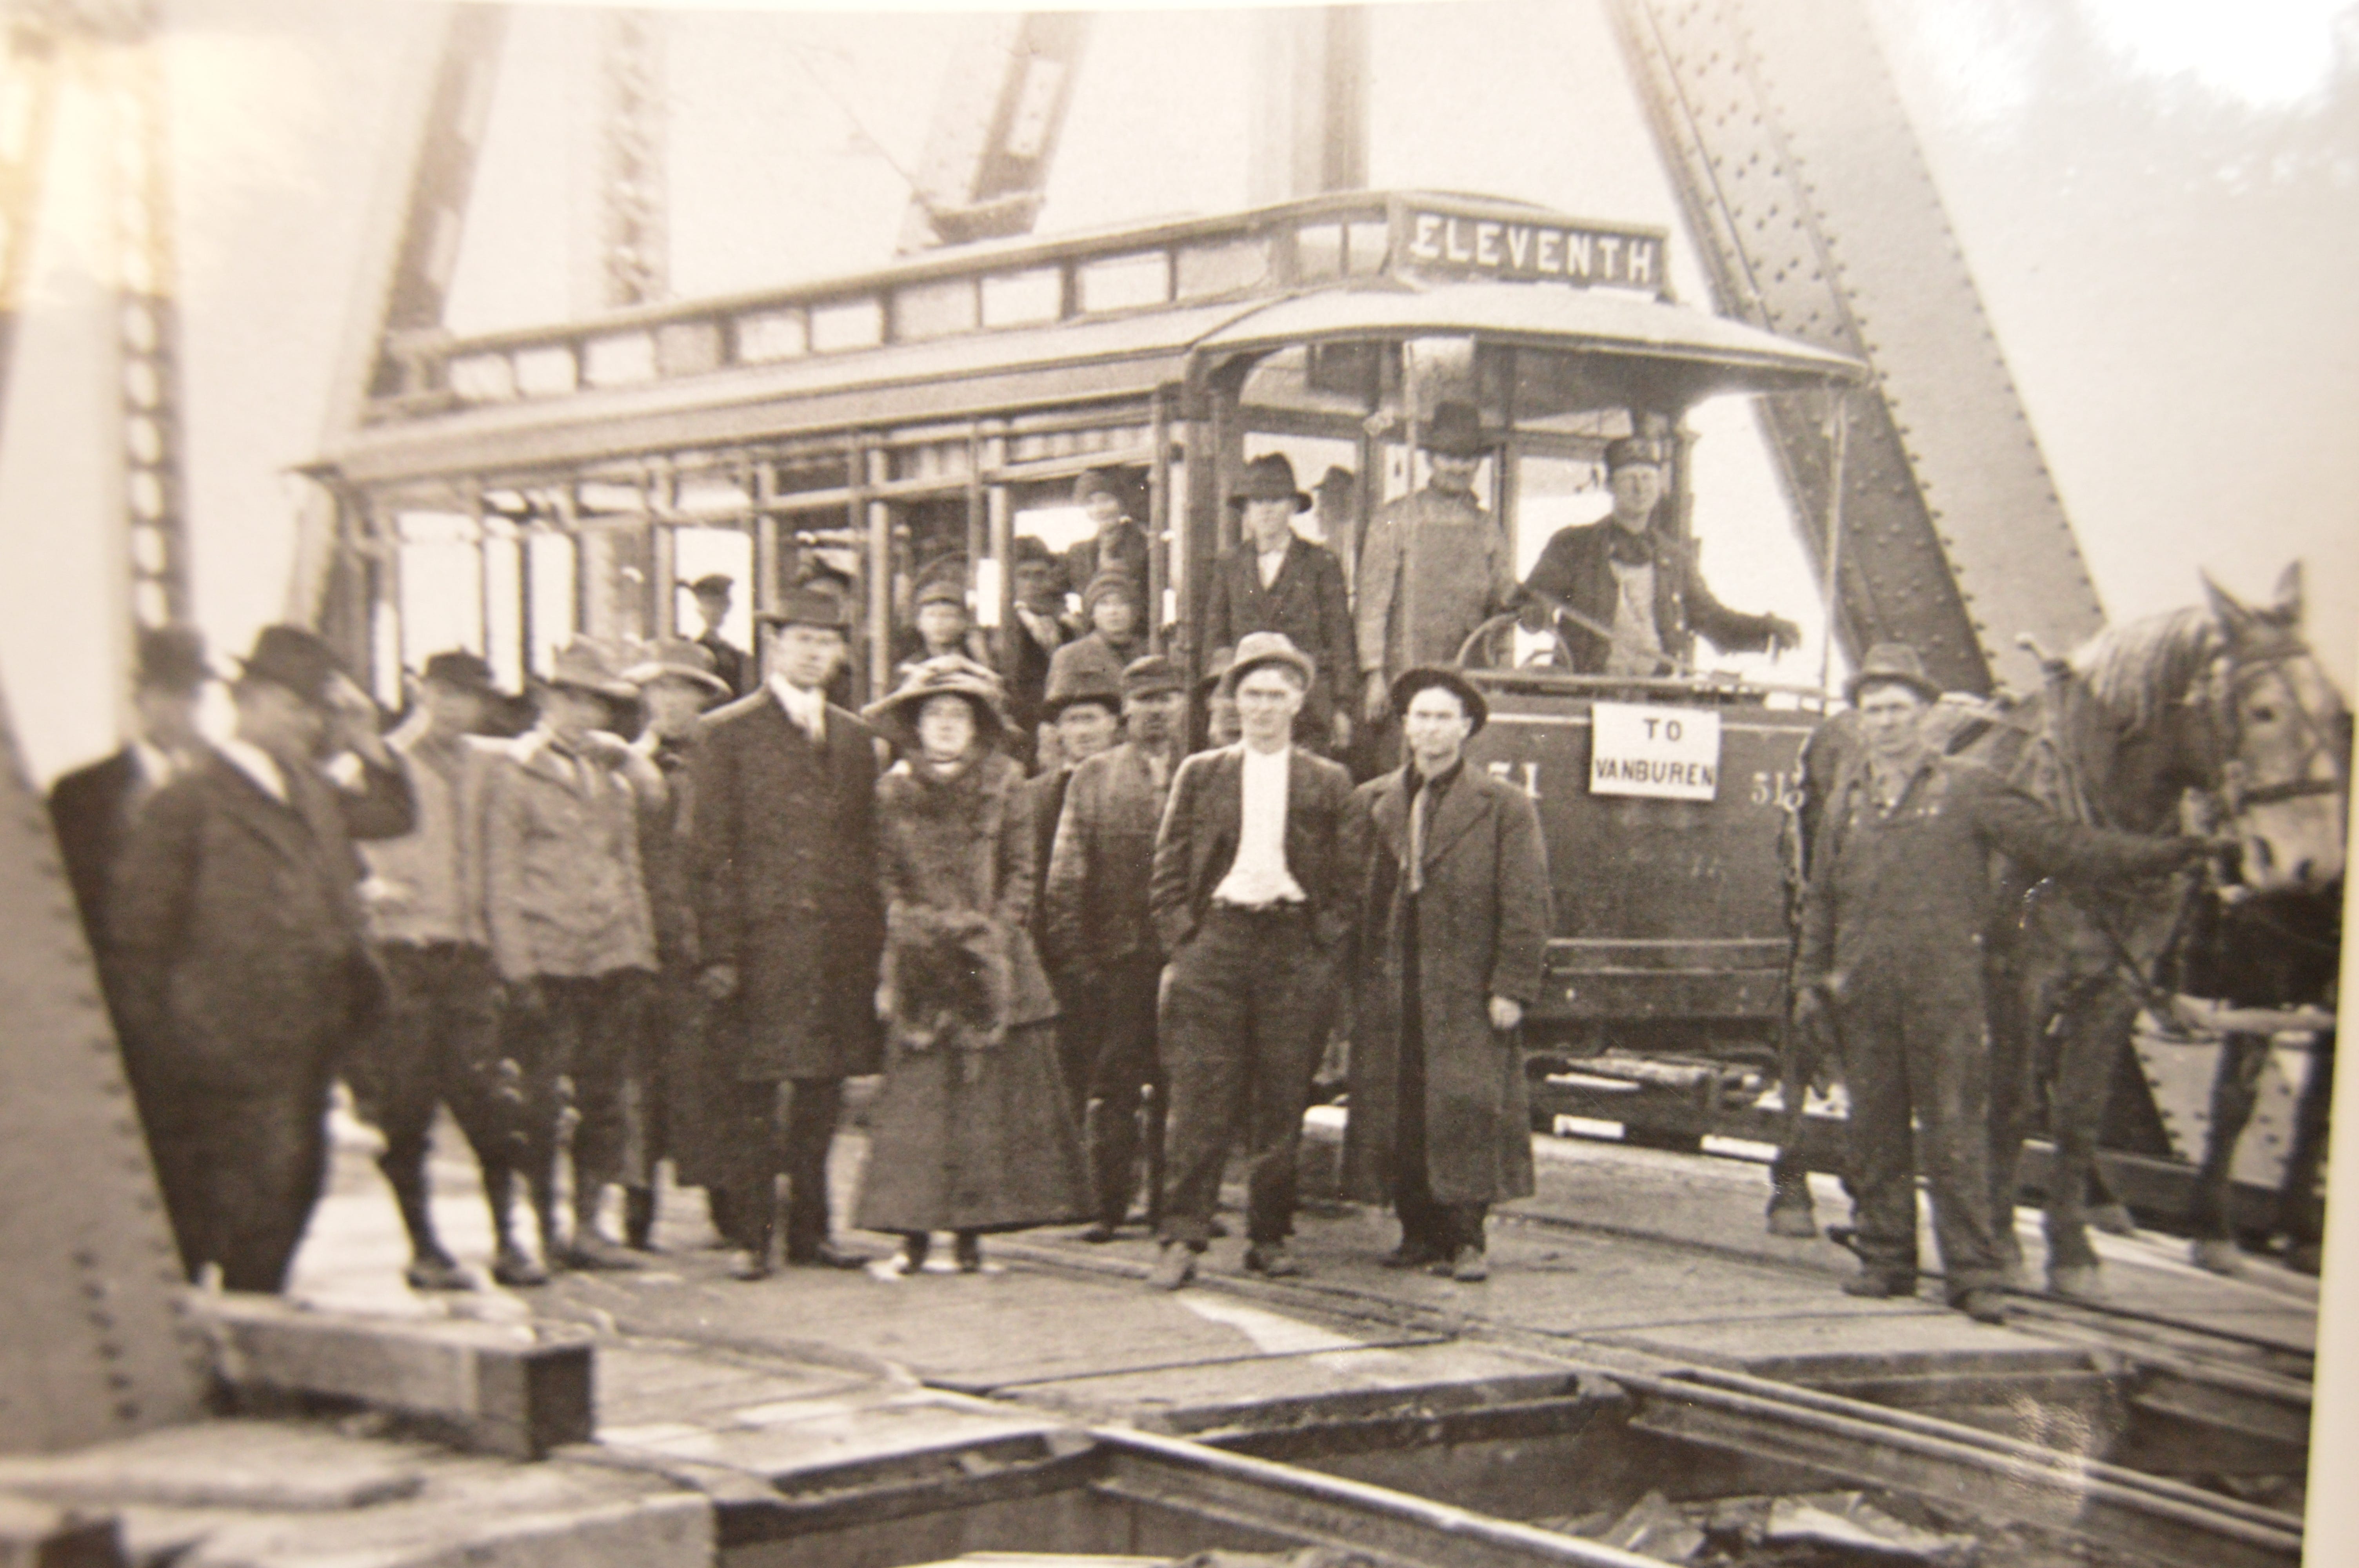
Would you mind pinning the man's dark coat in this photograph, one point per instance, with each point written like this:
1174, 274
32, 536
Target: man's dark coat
783, 845
1198, 842
1306, 601
1483, 926
91, 809
1577, 568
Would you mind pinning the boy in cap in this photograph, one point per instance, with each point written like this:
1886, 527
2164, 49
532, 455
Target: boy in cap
239, 964
571, 929
1098, 924
1273, 579
712, 593
1628, 593
1114, 606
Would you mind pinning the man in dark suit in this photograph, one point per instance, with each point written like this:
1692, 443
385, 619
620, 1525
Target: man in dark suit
1040, 629
240, 968
1252, 890
91, 807
712, 593
784, 849
1276, 581
1627, 593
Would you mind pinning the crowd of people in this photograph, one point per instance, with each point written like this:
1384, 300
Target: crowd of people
1089, 964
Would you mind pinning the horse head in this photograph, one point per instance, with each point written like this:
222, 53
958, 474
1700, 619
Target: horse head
2286, 779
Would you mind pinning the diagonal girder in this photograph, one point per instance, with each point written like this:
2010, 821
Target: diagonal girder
1816, 217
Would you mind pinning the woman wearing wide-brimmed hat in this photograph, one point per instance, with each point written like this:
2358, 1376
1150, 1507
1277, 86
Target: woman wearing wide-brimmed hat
971, 1131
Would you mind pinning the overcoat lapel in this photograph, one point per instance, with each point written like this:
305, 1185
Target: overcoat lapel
252, 807
1465, 804
1392, 816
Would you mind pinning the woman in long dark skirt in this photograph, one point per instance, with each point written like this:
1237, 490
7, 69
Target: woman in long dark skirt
971, 1131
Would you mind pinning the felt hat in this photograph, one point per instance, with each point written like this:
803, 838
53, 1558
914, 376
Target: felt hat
713, 583
1256, 649
459, 669
1148, 675
1080, 680
811, 604
291, 657
583, 665
677, 658
1632, 449
1269, 477
950, 675
1111, 580
1891, 663
1425, 677
170, 658
1454, 431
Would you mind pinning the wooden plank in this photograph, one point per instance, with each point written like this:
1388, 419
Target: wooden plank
495, 1389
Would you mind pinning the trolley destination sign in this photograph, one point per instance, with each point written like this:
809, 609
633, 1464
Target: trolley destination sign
1439, 240
1669, 753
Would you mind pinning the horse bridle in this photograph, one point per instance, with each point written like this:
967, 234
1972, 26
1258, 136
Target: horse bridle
2240, 674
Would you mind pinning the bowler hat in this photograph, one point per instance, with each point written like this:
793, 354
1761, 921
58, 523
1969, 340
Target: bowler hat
170, 658
718, 583
1080, 680
458, 668
291, 657
677, 658
808, 605
1256, 649
1454, 431
583, 665
1150, 675
1891, 663
1269, 477
1632, 449
1111, 580
1425, 677
950, 674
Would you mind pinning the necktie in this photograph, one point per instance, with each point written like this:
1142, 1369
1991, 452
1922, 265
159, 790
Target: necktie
1417, 840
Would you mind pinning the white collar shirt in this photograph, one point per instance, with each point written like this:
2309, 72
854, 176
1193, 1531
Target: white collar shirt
807, 709
157, 767
258, 765
1259, 878
1272, 562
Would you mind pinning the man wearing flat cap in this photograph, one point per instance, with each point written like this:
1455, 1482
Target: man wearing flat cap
1253, 896
1099, 927
239, 960
1274, 579
791, 924
1453, 952
91, 807
1433, 567
1627, 593
712, 593
1891, 954
440, 1041
1115, 542
1114, 606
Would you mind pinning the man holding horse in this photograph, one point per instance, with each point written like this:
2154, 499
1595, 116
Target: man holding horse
1892, 955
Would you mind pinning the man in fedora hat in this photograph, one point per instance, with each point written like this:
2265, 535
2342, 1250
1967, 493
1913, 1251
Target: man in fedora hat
439, 1042
1891, 953
1627, 593
1114, 543
791, 923
1083, 714
1098, 926
571, 929
668, 1112
91, 807
1273, 579
1252, 891
712, 593
1433, 567
238, 956
1453, 952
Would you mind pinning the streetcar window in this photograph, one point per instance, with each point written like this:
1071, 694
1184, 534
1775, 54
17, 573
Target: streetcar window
700, 553
548, 594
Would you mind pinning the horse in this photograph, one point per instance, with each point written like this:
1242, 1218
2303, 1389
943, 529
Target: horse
2222, 699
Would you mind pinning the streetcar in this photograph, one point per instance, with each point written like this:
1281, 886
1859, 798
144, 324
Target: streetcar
504, 491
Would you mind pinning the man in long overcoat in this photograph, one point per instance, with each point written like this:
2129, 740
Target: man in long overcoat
239, 966
1454, 946
792, 922
1274, 579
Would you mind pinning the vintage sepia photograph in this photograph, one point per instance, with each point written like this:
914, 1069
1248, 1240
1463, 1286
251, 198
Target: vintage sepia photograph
1437, 783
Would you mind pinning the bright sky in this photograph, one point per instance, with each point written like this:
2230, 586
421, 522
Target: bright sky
2156, 200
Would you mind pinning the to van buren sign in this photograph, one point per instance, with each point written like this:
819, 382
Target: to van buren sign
1523, 247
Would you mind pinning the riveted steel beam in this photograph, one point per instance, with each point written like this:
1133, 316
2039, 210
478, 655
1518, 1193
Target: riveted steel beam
1815, 215
993, 139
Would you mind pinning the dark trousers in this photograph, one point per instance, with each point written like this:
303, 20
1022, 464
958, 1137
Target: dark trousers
439, 1043
1915, 1052
584, 1030
241, 1171
1118, 1014
1428, 1223
2236, 1090
2067, 1070
764, 1139
1250, 997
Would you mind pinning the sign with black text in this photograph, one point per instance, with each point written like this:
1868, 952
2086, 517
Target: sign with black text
1669, 753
